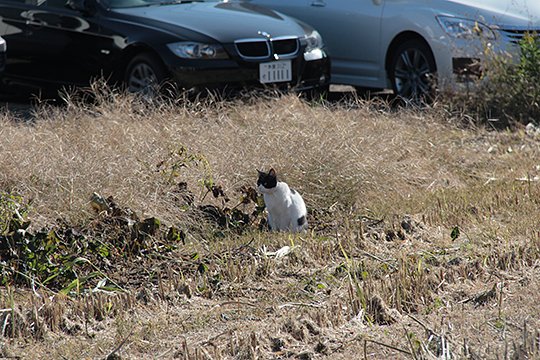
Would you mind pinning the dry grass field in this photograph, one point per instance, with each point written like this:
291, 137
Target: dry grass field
424, 237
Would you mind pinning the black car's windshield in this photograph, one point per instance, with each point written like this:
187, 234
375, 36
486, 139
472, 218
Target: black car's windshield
116, 4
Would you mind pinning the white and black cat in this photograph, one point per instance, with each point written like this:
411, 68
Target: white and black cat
286, 208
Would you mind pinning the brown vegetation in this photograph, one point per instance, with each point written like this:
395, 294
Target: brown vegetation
424, 238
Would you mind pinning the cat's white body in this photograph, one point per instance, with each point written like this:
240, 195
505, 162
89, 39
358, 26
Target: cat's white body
286, 208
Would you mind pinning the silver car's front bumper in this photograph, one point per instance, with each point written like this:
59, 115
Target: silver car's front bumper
463, 60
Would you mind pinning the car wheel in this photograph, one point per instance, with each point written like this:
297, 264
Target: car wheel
413, 71
144, 75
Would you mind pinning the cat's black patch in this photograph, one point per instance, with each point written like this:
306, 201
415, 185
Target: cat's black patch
301, 220
268, 180
293, 191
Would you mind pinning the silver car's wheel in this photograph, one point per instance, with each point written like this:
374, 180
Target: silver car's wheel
144, 75
413, 71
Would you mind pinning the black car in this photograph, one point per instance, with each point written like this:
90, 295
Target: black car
196, 44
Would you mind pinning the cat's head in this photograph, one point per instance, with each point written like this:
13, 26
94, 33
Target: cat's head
267, 182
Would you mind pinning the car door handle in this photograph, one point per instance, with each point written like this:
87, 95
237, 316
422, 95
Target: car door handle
318, 3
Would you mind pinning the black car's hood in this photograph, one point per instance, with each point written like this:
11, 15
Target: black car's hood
222, 21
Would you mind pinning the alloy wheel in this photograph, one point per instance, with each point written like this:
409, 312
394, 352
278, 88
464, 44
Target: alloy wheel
413, 75
142, 79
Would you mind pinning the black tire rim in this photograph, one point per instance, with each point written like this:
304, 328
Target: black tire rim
413, 78
142, 79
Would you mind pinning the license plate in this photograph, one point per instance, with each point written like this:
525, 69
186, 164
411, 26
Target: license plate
275, 71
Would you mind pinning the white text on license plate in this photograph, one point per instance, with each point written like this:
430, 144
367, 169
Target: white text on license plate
275, 71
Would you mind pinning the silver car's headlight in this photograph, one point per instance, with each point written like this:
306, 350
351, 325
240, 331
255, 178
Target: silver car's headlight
314, 41
465, 28
194, 50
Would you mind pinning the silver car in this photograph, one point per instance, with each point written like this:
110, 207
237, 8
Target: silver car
406, 44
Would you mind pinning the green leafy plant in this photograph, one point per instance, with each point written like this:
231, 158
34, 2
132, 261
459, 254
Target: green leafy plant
181, 158
72, 259
13, 213
455, 233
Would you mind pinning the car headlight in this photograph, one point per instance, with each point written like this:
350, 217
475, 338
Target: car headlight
194, 50
3, 46
314, 45
314, 41
465, 28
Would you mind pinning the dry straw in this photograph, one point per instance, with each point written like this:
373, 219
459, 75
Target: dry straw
412, 215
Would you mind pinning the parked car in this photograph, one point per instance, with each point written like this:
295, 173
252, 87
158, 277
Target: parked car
196, 44
3, 49
404, 44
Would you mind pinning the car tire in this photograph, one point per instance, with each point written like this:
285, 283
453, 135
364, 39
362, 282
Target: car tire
145, 75
413, 71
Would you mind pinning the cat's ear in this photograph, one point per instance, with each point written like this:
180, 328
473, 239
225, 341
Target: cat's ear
261, 173
272, 172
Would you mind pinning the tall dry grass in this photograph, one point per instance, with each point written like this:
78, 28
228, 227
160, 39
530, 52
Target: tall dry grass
378, 160
390, 183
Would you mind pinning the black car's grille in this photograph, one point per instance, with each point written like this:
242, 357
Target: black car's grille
285, 46
266, 48
515, 35
253, 48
